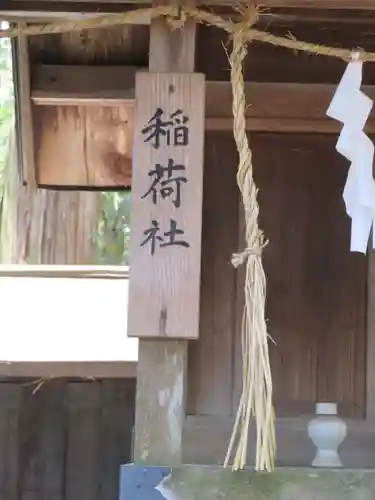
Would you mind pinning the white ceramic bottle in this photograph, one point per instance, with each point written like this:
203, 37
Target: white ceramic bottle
327, 431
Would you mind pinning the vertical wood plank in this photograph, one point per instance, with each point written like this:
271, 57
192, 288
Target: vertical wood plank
24, 114
56, 127
99, 152
161, 378
53, 441
10, 403
370, 350
165, 280
172, 50
32, 422
117, 419
370, 339
160, 402
83, 441
342, 328
210, 363
302, 215
42, 446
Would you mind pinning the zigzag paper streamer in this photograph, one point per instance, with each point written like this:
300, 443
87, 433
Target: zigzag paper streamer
352, 107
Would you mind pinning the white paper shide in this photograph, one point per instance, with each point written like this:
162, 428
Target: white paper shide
352, 107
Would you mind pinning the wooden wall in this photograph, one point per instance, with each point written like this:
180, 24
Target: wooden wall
211, 358
316, 305
66, 441
316, 299
316, 288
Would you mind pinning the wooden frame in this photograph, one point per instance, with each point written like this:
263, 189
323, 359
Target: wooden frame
63, 271
86, 370
75, 85
75, 369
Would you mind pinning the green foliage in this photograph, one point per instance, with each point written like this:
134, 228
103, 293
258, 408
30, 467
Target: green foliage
113, 233
6, 126
6, 100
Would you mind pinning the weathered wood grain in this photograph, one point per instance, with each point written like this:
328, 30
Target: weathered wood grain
23, 108
165, 280
84, 146
210, 360
162, 364
64, 438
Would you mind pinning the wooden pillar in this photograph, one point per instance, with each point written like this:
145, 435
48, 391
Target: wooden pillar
161, 378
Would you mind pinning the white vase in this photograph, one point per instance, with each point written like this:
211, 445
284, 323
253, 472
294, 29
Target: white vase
327, 431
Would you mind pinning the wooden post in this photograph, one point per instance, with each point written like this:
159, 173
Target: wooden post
24, 115
161, 378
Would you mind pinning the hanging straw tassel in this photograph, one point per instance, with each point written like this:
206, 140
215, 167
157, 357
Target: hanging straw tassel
256, 399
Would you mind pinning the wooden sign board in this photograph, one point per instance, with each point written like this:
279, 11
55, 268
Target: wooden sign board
167, 195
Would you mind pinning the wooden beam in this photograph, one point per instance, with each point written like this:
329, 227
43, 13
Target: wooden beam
303, 4
162, 364
283, 125
274, 100
279, 107
274, 107
21, 16
59, 11
63, 271
71, 369
56, 85
17, 12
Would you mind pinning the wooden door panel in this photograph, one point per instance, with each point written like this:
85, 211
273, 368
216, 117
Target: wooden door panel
316, 288
210, 381
316, 302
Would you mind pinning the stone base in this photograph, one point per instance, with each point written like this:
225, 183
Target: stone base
215, 483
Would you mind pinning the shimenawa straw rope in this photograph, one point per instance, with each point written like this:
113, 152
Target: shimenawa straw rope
256, 399
177, 15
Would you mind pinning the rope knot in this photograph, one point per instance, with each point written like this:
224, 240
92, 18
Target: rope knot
250, 16
240, 258
178, 20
